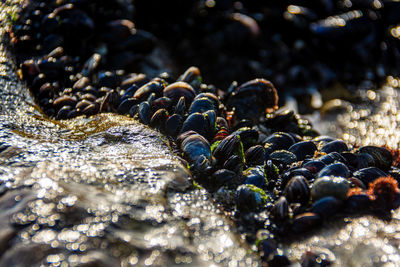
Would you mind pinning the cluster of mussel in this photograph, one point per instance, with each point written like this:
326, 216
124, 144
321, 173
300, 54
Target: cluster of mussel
74, 54
298, 44
271, 171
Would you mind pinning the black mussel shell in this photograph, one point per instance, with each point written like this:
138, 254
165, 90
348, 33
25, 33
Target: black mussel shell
180, 107
248, 136
233, 163
194, 145
303, 149
281, 209
327, 206
173, 125
249, 198
368, 175
229, 146
282, 158
255, 155
176, 90
201, 105
335, 169
382, 157
144, 112
335, 146
155, 86
332, 157
314, 166
253, 98
297, 190
224, 176
126, 105
278, 141
254, 176
196, 122
305, 222
158, 119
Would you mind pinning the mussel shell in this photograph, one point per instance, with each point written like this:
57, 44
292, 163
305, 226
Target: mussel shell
335, 169
196, 122
63, 113
382, 157
365, 160
161, 102
253, 98
173, 125
327, 206
191, 76
268, 248
335, 146
81, 84
220, 135
249, 198
90, 109
151, 98
134, 79
158, 119
248, 136
180, 107
318, 258
281, 209
355, 182
107, 79
211, 122
195, 145
64, 100
282, 158
254, 176
368, 175
154, 86
176, 90
297, 190
330, 186
126, 105
224, 176
278, 141
201, 167
243, 123
305, 222
134, 110
201, 105
314, 166
211, 97
296, 171
229, 146
332, 157
303, 149
233, 163
358, 203
46, 90
351, 159
181, 137
145, 112
222, 123
255, 155
81, 105
271, 171
280, 120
